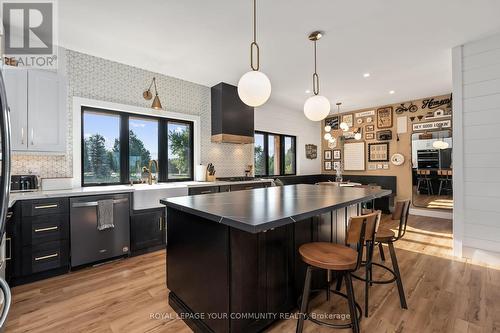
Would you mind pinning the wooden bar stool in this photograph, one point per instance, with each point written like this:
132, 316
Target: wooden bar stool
424, 181
386, 236
445, 182
342, 260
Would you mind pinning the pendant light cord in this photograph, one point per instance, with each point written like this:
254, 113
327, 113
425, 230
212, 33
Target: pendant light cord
254, 44
315, 74
156, 90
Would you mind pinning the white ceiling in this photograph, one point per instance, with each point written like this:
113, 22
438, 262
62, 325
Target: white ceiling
405, 45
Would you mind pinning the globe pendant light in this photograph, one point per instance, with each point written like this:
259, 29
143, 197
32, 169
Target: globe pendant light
343, 125
316, 107
254, 87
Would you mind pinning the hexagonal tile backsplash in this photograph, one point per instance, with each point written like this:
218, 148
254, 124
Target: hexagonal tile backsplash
101, 79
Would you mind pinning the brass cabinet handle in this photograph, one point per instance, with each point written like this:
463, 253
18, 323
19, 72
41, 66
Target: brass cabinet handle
160, 223
22, 135
47, 256
47, 206
205, 192
249, 188
47, 229
10, 248
32, 136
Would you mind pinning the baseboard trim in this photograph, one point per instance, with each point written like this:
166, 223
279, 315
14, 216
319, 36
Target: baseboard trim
431, 213
481, 256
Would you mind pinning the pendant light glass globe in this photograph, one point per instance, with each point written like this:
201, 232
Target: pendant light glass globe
328, 128
254, 88
344, 127
316, 108
327, 136
357, 136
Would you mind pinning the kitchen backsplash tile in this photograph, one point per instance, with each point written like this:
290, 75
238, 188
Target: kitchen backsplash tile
101, 79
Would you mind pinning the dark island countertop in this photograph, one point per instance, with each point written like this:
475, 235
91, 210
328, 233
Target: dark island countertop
261, 209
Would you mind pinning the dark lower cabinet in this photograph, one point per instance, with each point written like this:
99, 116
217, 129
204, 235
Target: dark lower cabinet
38, 240
147, 230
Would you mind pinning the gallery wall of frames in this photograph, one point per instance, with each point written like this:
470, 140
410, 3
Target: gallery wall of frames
392, 139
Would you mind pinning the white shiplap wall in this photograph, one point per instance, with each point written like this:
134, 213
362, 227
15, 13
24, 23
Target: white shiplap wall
476, 85
282, 120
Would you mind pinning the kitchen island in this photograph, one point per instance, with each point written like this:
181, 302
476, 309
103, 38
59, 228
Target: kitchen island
232, 262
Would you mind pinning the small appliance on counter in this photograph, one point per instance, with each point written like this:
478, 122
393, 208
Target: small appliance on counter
23, 183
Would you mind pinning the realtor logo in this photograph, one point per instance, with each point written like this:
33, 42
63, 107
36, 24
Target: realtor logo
29, 33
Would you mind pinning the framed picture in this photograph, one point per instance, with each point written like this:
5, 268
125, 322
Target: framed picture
378, 152
384, 117
348, 119
328, 165
311, 151
337, 154
370, 128
327, 154
333, 122
369, 136
336, 165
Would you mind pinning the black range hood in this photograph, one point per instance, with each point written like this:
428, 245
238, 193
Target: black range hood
232, 120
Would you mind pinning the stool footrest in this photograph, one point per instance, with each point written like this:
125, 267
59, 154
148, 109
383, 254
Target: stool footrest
323, 323
394, 276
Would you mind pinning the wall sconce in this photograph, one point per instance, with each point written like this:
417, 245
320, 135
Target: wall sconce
148, 95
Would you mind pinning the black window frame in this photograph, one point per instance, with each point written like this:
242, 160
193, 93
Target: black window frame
281, 153
124, 145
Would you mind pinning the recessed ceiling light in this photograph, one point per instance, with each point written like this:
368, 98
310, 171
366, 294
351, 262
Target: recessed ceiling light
366, 75
392, 92
308, 91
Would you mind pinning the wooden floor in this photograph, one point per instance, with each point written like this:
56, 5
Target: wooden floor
441, 202
444, 295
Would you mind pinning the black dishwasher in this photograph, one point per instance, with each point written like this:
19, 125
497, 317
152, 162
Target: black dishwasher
88, 243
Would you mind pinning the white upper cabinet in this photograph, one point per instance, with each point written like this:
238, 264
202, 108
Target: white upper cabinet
16, 86
37, 102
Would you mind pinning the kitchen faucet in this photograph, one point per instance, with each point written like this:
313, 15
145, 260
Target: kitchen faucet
150, 174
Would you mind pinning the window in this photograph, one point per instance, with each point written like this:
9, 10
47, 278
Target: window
274, 154
101, 148
259, 158
289, 153
117, 147
143, 145
179, 150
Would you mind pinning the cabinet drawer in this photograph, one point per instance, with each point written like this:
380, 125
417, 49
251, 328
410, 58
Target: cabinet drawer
225, 188
44, 228
240, 187
45, 206
44, 257
203, 190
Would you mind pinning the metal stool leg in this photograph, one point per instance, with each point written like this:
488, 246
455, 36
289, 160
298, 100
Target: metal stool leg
352, 303
418, 185
305, 300
440, 186
367, 280
338, 286
394, 260
381, 250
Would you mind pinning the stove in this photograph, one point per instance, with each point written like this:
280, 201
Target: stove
234, 179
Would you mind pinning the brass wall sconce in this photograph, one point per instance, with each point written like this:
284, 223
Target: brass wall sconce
148, 95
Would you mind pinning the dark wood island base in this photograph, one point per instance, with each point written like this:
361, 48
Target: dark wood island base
232, 258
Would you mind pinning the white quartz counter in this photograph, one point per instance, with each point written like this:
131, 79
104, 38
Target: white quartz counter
146, 194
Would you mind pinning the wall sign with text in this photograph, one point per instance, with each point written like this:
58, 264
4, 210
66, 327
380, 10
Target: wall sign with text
432, 125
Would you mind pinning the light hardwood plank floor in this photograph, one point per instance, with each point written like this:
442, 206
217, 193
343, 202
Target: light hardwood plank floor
443, 294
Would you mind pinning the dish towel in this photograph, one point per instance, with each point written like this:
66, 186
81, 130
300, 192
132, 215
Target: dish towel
105, 214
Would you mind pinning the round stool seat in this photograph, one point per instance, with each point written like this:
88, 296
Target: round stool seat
329, 256
384, 234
